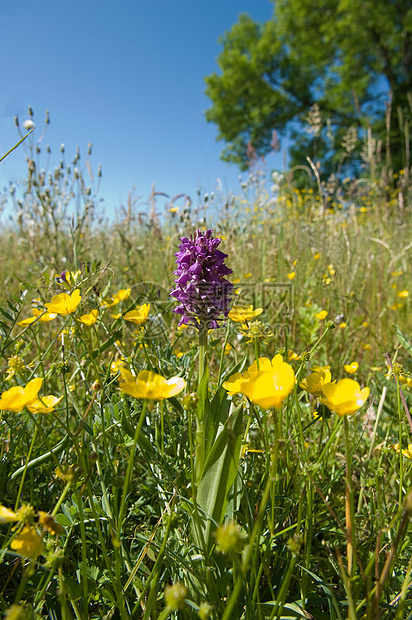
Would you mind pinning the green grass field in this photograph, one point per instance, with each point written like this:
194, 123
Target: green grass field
266, 495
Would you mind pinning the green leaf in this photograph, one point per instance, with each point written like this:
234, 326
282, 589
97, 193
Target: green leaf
108, 343
6, 314
127, 426
220, 405
63, 520
175, 403
218, 414
217, 477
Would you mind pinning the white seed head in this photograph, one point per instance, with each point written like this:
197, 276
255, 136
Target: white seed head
28, 125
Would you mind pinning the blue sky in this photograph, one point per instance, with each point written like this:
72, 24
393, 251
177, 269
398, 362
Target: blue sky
125, 75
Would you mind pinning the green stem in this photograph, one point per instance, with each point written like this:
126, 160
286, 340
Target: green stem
349, 503
84, 581
25, 469
16, 145
202, 351
42, 459
202, 407
257, 353
400, 442
61, 498
129, 471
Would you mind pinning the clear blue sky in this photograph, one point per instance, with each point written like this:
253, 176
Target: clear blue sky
125, 75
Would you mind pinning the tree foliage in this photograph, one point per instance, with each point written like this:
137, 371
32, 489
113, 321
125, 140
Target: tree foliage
348, 62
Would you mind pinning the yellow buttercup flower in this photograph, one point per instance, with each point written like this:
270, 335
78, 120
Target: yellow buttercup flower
351, 368
344, 397
7, 515
405, 451
321, 315
138, 315
40, 315
45, 404
123, 294
403, 294
27, 542
149, 385
232, 385
16, 398
24, 514
64, 304
315, 382
267, 386
291, 275
241, 314
90, 319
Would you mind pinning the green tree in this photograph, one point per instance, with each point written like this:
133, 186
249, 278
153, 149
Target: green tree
345, 63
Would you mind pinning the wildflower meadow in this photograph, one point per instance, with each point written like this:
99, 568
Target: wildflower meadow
205, 403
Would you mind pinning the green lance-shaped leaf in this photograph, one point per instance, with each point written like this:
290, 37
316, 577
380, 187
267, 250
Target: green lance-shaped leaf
219, 406
217, 477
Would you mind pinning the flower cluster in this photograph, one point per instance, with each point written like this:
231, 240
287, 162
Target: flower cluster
203, 293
